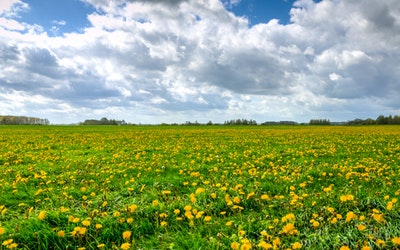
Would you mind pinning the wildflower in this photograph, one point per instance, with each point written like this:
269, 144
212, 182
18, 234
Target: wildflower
102, 245
241, 233
380, 242
125, 246
155, 203
288, 217
344, 248
177, 211
200, 190
116, 214
2, 230
265, 197
7, 242
396, 241
129, 220
61, 234
86, 223
12, 245
315, 224
213, 195
98, 226
389, 206
296, 245
289, 229
163, 223
166, 192
192, 198
187, 208
365, 247
264, 245
132, 208
207, 218
276, 242
351, 216
361, 227
163, 215
229, 223
42, 215
235, 245
250, 195
126, 235
333, 221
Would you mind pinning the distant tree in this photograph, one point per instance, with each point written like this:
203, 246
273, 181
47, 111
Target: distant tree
319, 122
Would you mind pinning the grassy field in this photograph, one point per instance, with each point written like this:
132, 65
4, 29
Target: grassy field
209, 187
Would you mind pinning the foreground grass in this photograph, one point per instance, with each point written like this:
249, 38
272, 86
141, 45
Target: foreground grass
199, 187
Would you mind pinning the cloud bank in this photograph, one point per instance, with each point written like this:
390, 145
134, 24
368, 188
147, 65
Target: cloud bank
177, 60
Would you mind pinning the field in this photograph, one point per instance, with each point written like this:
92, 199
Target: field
206, 187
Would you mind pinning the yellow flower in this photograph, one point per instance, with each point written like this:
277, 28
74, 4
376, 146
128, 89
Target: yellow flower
229, 223
129, 220
241, 232
396, 241
7, 242
365, 248
213, 195
101, 245
344, 248
296, 245
98, 226
200, 190
264, 245
2, 230
235, 245
61, 233
132, 208
86, 223
155, 203
177, 211
125, 246
361, 227
265, 197
163, 223
380, 242
12, 245
289, 229
315, 224
42, 215
166, 192
250, 195
207, 218
163, 215
126, 235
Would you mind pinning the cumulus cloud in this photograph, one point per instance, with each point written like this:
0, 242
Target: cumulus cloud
196, 57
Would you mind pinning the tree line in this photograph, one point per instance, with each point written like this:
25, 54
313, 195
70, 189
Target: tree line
22, 120
103, 121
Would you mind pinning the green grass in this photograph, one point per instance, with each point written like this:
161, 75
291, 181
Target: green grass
246, 179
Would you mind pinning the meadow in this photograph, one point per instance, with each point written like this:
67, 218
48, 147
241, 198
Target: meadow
199, 187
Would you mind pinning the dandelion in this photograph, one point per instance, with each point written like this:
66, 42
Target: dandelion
289, 229
265, 197
213, 195
61, 234
7, 242
344, 248
125, 246
200, 190
207, 218
365, 247
86, 223
396, 241
264, 245
126, 235
166, 192
235, 245
177, 211
361, 227
250, 195
163, 223
2, 230
229, 223
129, 220
163, 215
42, 215
102, 245
132, 208
155, 203
296, 245
380, 242
241, 233
98, 226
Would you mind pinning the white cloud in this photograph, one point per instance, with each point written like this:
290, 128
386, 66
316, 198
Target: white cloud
179, 59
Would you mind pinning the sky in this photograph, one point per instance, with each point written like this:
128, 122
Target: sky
172, 61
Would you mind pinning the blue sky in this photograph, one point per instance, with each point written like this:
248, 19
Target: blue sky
155, 61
